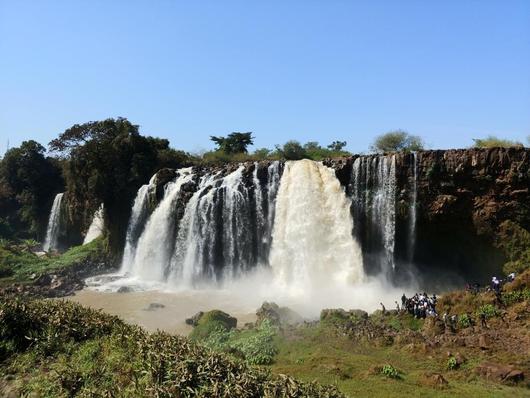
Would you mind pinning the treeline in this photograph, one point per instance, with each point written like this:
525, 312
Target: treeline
105, 162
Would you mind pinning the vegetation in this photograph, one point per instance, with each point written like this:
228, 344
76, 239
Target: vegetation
233, 143
397, 141
57, 348
390, 372
514, 241
19, 263
492, 141
28, 183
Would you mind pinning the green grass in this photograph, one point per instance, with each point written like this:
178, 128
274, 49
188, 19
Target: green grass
19, 263
317, 353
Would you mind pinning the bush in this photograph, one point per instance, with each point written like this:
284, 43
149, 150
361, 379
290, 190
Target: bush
465, 321
516, 296
488, 310
396, 141
292, 150
390, 372
452, 363
494, 142
212, 322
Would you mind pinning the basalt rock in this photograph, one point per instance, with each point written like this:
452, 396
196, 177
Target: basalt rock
279, 316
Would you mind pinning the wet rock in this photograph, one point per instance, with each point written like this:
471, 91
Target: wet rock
194, 320
124, 289
279, 316
154, 307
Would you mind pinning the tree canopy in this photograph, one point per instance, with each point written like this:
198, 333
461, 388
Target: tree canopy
492, 141
234, 143
396, 141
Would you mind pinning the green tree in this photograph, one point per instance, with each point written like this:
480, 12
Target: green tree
397, 140
28, 183
292, 150
492, 141
234, 143
337, 146
107, 161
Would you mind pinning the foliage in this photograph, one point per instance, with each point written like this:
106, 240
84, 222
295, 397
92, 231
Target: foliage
509, 298
67, 350
234, 143
337, 146
452, 363
212, 322
465, 321
292, 150
19, 262
492, 141
107, 161
28, 183
390, 372
514, 241
256, 346
489, 310
397, 140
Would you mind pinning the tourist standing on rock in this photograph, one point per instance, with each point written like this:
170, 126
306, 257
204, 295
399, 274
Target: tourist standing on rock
403, 300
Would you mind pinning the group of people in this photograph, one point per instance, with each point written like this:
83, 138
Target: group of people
420, 305
495, 284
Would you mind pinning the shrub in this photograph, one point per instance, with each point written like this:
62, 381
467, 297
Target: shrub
398, 140
390, 372
465, 321
488, 310
516, 296
452, 363
492, 141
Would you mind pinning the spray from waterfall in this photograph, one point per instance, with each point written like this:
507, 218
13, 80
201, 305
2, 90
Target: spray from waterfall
313, 247
96, 226
54, 225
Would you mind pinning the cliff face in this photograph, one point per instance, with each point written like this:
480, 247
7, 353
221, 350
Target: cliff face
463, 196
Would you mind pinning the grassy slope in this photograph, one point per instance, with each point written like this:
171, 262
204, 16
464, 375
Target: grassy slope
20, 263
317, 354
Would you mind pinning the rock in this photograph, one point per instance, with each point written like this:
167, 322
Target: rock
279, 316
194, 320
124, 289
154, 306
499, 372
433, 327
213, 321
460, 359
484, 342
341, 314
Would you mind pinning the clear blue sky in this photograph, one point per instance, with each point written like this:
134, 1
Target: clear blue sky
308, 70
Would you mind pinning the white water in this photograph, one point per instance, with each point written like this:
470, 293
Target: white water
136, 223
152, 255
313, 246
374, 200
96, 227
413, 210
54, 224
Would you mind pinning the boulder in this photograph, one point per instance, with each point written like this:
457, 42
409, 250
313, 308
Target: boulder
154, 306
435, 380
499, 372
124, 289
194, 320
279, 316
212, 321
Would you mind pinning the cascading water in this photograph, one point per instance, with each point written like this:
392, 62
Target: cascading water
412, 210
154, 247
226, 227
139, 214
374, 207
96, 227
313, 246
54, 225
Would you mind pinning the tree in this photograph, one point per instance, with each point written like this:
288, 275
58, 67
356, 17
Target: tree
337, 146
397, 140
292, 150
29, 181
492, 141
107, 161
234, 143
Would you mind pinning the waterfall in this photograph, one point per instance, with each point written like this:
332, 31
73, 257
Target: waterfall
139, 213
412, 210
155, 245
313, 244
96, 227
374, 207
54, 224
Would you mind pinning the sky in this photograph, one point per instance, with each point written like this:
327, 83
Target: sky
448, 71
